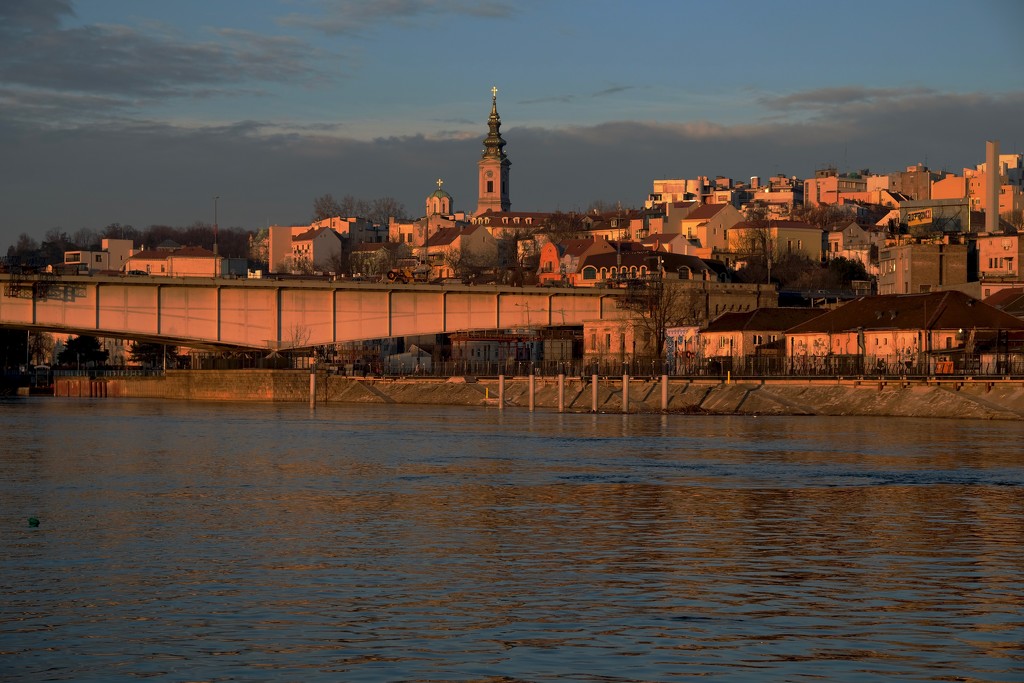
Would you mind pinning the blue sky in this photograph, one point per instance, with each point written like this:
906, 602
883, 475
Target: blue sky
140, 111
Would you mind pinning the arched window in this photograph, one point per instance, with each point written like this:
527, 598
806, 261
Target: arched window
590, 273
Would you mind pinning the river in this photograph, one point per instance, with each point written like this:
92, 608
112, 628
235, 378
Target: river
182, 541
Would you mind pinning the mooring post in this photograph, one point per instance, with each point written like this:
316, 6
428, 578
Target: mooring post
625, 392
312, 384
664, 393
501, 392
533, 387
593, 393
561, 392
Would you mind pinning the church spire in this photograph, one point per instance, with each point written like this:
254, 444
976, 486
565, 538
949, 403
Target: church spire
494, 144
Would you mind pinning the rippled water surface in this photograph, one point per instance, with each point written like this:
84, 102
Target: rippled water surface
210, 542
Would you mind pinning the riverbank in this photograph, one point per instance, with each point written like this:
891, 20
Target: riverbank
973, 399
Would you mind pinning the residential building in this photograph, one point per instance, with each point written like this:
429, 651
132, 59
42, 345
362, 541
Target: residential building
452, 252
780, 196
315, 249
613, 342
999, 262
897, 332
181, 262
560, 262
708, 227
776, 238
113, 255
747, 333
856, 242
828, 185
916, 268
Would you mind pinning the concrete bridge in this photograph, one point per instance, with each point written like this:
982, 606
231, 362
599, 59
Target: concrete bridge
282, 314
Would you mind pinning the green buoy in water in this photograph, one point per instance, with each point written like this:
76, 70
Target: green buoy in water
33, 521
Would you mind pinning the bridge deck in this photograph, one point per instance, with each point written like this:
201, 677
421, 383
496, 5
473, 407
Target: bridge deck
277, 314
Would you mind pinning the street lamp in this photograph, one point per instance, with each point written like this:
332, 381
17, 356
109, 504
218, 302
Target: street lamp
217, 197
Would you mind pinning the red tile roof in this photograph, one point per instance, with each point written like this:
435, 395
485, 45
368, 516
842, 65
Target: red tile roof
767, 319
704, 212
931, 311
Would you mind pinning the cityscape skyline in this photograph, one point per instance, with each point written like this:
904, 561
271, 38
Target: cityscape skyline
142, 114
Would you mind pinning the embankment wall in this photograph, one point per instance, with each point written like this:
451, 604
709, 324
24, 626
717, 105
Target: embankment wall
999, 399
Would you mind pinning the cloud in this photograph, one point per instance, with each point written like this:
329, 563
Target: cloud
357, 17
148, 172
569, 98
827, 98
24, 16
73, 72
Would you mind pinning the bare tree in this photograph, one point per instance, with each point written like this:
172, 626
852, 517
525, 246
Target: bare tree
383, 209
565, 226
660, 304
324, 207
86, 238
40, 347
1014, 218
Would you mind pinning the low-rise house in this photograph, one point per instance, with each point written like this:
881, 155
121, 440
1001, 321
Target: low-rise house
181, 262
456, 251
560, 262
851, 240
315, 249
674, 244
708, 226
112, 255
774, 238
924, 332
749, 333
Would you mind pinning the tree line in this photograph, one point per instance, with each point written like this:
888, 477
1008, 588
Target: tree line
231, 242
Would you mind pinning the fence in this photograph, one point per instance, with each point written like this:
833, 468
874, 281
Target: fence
737, 367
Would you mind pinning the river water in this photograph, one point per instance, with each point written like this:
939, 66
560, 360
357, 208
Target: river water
244, 542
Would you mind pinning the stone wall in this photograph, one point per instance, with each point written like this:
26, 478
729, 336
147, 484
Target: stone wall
1003, 399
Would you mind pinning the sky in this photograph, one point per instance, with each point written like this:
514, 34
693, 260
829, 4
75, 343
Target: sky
141, 112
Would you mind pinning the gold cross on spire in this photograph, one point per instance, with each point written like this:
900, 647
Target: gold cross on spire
494, 92
439, 183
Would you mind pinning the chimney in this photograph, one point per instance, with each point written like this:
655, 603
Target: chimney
992, 183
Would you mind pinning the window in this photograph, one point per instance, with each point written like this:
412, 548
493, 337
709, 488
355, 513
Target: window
607, 340
593, 341
590, 273
490, 186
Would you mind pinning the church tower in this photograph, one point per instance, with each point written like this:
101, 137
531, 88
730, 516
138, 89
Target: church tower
493, 166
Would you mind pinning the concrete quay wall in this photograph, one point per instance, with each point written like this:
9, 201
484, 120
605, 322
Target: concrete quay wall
989, 399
